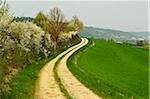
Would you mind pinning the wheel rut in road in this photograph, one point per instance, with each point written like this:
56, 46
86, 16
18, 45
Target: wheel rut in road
48, 87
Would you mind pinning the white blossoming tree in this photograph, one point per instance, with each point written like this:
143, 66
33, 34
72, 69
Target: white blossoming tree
26, 39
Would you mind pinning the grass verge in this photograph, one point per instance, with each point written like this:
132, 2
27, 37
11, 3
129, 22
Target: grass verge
22, 86
58, 80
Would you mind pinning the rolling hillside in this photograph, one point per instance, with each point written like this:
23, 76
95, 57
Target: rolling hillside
113, 34
112, 70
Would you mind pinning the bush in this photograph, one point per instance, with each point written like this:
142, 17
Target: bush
22, 43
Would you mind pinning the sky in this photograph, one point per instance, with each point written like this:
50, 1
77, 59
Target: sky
111, 14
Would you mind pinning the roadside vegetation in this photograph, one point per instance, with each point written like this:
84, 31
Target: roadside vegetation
26, 43
116, 71
23, 83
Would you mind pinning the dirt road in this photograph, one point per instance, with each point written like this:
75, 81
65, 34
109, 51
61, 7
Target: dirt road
48, 88
76, 89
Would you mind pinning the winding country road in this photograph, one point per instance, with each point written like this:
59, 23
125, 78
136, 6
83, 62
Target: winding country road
48, 88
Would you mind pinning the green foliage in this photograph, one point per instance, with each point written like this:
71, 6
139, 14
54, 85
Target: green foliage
69, 28
40, 20
78, 24
112, 70
23, 19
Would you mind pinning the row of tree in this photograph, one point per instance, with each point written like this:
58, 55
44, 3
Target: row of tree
24, 42
23, 19
56, 24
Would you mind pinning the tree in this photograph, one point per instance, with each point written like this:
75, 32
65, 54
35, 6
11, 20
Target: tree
78, 24
3, 8
55, 24
40, 20
23, 19
140, 42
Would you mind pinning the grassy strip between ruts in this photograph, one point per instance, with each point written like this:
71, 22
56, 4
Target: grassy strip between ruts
97, 85
23, 83
61, 86
58, 80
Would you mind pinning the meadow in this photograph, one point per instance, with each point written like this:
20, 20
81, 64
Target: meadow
116, 71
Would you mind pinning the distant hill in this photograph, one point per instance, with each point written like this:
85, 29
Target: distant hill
113, 34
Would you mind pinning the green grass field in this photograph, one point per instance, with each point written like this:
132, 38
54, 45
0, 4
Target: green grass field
112, 70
